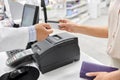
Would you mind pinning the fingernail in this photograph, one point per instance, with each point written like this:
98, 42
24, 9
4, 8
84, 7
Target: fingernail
87, 74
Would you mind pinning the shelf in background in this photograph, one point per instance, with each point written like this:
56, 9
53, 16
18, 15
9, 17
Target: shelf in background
77, 12
81, 10
82, 3
80, 20
73, 15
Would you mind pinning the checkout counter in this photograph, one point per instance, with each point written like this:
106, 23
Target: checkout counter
68, 72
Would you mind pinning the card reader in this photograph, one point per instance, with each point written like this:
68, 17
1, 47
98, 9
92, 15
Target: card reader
56, 51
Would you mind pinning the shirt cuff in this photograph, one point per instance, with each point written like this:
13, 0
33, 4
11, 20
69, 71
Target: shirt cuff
32, 34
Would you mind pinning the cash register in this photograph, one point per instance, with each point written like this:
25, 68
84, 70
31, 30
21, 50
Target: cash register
56, 51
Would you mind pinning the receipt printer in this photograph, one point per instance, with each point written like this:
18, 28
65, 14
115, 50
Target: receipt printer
56, 51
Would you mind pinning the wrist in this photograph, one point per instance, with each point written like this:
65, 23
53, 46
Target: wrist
118, 75
115, 75
77, 28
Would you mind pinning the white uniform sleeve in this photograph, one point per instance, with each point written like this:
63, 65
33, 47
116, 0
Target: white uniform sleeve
13, 38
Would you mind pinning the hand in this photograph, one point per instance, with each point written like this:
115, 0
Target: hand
42, 31
67, 25
115, 75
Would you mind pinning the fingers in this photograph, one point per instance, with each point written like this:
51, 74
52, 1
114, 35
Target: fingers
47, 26
92, 74
63, 20
42, 31
61, 25
50, 31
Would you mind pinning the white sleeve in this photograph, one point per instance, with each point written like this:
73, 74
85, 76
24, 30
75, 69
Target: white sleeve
13, 38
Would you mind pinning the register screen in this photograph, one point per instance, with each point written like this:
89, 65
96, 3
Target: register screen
28, 16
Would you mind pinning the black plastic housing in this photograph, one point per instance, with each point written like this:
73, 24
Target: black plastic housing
56, 51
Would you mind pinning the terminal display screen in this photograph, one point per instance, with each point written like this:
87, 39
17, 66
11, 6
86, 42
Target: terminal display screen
29, 16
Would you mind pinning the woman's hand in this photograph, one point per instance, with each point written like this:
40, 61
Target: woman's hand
115, 75
68, 25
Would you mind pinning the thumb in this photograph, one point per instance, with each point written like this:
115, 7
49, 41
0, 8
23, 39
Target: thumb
62, 24
92, 74
49, 31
